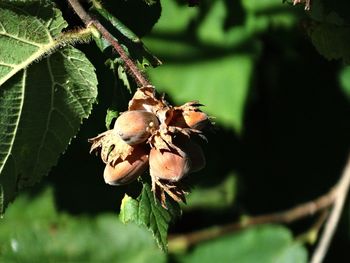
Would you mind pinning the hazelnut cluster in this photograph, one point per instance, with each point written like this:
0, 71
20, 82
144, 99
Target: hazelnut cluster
153, 134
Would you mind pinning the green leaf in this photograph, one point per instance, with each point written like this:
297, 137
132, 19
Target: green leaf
123, 76
147, 211
330, 34
329, 11
41, 105
29, 29
344, 79
262, 5
110, 116
221, 84
117, 24
331, 41
137, 50
174, 18
217, 71
264, 244
33, 231
214, 63
216, 197
41, 109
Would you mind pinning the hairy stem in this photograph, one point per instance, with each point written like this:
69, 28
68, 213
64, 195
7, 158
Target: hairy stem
335, 196
81, 36
130, 66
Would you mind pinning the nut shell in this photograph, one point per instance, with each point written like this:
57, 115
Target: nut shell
128, 170
196, 119
193, 151
169, 165
190, 119
196, 155
135, 127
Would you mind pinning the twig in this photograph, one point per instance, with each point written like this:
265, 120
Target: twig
332, 222
126, 32
129, 64
311, 235
334, 196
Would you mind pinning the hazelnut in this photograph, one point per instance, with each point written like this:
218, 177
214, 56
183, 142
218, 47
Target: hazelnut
128, 170
193, 151
196, 155
195, 119
169, 165
190, 119
135, 127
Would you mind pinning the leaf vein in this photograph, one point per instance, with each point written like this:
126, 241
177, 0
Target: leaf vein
7, 64
44, 49
21, 39
66, 119
48, 120
2, 26
17, 122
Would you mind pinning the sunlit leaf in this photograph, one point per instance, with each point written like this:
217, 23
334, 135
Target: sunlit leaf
214, 73
41, 109
43, 105
18, 22
148, 212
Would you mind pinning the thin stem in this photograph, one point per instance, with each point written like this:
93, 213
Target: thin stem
126, 32
74, 36
129, 64
311, 235
332, 222
334, 196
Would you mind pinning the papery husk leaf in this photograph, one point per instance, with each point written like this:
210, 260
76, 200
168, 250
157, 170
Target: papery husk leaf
145, 99
112, 146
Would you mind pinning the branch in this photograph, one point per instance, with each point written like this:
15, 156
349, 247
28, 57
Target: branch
311, 235
126, 32
334, 196
332, 222
129, 64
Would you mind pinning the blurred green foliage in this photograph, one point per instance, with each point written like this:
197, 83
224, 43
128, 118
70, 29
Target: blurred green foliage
33, 231
258, 244
282, 133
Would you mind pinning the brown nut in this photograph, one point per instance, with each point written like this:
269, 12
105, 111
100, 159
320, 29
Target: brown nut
135, 127
196, 119
190, 119
168, 165
195, 152
128, 170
